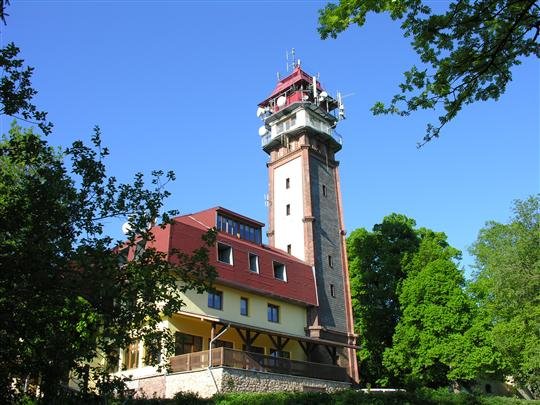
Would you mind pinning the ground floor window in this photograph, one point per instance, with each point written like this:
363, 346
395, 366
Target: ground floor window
253, 349
131, 356
220, 343
280, 353
185, 343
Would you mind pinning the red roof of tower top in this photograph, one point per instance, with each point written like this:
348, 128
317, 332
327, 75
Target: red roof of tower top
296, 76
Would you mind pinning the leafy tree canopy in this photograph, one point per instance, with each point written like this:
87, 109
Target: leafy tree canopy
376, 271
66, 296
507, 286
438, 339
467, 52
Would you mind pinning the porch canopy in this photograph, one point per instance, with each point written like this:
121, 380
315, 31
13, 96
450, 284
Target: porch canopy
249, 333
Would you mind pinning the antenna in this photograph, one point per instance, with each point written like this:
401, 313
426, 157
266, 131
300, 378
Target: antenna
290, 57
341, 107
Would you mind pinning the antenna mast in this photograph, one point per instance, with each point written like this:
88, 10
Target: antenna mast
291, 59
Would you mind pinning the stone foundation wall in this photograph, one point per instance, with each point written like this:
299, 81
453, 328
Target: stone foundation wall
224, 379
236, 380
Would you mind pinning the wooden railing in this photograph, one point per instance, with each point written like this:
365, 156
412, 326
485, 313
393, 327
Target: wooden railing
253, 361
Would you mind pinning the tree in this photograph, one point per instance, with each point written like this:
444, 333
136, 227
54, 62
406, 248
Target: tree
64, 297
467, 52
438, 338
507, 285
376, 271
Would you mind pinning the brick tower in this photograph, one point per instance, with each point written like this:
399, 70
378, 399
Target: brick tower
305, 209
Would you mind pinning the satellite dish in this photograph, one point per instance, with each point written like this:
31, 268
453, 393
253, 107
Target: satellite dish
260, 111
281, 101
126, 228
263, 131
323, 94
305, 97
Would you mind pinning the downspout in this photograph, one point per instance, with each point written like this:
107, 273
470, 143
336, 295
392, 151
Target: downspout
210, 354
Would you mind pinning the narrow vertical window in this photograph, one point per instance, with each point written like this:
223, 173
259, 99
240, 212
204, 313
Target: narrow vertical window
287, 183
131, 355
324, 190
330, 261
243, 306
289, 249
333, 290
253, 263
279, 271
225, 254
273, 313
288, 209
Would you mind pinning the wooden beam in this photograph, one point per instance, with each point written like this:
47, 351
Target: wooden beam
244, 338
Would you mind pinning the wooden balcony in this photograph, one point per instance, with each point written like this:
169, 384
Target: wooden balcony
256, 362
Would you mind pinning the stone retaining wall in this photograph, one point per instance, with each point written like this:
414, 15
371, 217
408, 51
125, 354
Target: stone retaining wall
225, 379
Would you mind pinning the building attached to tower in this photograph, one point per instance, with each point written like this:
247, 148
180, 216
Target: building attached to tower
280, 315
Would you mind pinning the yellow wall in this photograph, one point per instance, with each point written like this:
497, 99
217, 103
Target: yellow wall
202, 328
292, 318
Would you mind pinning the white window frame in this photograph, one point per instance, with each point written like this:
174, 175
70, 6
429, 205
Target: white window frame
231, 255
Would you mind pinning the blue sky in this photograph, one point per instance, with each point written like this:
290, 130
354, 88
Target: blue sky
175, 85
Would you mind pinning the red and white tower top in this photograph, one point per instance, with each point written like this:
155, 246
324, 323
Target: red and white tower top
301, 97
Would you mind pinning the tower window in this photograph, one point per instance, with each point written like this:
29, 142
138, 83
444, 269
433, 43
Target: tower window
279, 271
253, 263
324, 192
287, 183
273, 313
288, 209
215, 299
330, 261
289, 249
225, 254
333, 290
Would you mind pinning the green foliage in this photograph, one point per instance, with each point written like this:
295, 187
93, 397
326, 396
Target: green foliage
434, 342
417, 325
350, 397
64, 298
507, 286
467, 51
376, 272
16, 91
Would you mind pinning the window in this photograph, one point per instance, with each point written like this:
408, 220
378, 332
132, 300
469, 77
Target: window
243, 306
232, 227
287, 183
273, 313
131, 356
280, 353
288, 209
220, 343
215, 300
253, 263
279, 271
185, 343
324, 190
253, 349
330, 261
333, 290
123, 256
289, 249
139, 249
225, 254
